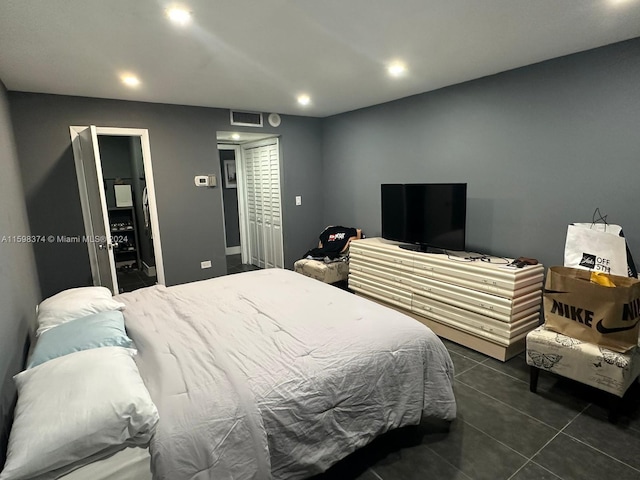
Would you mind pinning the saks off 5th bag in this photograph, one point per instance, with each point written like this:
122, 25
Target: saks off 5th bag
599, 247
607, 316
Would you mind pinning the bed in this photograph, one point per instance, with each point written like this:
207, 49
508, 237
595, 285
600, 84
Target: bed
271, 374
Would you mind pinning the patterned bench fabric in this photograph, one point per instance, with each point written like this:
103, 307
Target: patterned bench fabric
325, 272
584, 362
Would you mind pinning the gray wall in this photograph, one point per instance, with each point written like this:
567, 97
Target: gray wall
539, 147
19, 293
183, 144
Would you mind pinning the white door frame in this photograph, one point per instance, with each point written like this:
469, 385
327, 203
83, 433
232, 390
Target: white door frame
143, 134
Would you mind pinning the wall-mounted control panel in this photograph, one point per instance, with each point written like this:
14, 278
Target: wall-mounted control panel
205, 180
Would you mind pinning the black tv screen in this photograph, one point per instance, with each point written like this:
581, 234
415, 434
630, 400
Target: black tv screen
425, 214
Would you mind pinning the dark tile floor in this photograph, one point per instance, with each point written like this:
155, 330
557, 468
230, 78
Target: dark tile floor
503, 431
234, 265
130, 280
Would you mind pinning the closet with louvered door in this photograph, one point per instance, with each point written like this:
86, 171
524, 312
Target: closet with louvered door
262, 172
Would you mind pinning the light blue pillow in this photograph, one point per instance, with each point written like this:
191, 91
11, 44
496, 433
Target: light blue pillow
104, 329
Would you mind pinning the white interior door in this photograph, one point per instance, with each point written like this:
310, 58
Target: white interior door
84, 142
261, 165
252, 183
276, 208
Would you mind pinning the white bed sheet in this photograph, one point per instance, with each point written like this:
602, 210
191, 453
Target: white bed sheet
271, 374
132, 463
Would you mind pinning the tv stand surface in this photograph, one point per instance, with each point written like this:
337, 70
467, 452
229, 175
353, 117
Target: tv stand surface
481, 305
421, 248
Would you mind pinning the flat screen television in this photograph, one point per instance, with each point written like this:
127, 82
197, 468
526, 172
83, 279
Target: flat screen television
425, 215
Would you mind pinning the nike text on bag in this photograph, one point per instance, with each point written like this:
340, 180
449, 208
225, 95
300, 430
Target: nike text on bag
599, 247
607, 316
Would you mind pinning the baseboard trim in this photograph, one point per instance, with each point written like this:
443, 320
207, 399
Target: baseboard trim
233, 250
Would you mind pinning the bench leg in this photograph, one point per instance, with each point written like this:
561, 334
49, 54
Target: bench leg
533, 378
615, 407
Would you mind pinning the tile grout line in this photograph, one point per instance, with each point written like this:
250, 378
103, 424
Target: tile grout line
536, 464
512, 407
504, 373
530, 459
603, 453
446, 461
484, 362
495, 439
375, 473
465, 371
476, 363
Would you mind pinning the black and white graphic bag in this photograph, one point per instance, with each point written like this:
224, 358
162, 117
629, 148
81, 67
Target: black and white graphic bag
599, 247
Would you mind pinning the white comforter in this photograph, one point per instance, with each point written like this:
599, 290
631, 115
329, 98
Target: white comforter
270, 374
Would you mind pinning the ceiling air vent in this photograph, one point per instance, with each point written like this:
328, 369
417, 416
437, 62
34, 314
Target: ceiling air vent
246, 119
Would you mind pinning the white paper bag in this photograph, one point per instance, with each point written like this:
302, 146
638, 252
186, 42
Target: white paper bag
599, 247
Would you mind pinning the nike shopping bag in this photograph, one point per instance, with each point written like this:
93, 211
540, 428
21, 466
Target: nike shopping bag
579, 308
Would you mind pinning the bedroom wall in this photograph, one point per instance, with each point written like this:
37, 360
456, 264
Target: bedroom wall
19, 293
183, 144
539, 147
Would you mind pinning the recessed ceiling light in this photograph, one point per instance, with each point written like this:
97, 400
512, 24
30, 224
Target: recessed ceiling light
304, 100
397, 69
235, 136
130, 80
179, 16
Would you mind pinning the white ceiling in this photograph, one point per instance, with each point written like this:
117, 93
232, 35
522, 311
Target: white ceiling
260, 54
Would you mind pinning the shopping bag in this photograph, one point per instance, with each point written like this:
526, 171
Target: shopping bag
604, 315
598, 247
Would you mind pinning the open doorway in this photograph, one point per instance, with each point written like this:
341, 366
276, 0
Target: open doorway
229, 156
128, 211
250, 166
115, 181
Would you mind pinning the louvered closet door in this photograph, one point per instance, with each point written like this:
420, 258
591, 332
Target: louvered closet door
251, 185
260, 253
276, 211
263, 165
265, 168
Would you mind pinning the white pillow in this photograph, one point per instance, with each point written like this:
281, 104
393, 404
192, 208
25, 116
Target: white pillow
74, 303
75, 407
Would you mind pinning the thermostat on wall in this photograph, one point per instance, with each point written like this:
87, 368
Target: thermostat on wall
205, 180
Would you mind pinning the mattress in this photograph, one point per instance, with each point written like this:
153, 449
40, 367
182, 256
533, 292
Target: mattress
271, 374
132, 463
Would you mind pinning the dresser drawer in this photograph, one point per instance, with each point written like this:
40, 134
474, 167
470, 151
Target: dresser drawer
362, 283
386, 273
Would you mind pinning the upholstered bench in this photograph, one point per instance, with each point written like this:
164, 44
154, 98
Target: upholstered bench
584, 362
332, 272
329, 262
